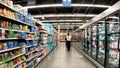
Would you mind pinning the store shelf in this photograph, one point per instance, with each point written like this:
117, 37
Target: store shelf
39, 23
31, 52
18, 64
31, 58
4, 29
31, 46
36, 64
30, 63
1, 4
12, 9
29, 39
11, 39
39, 61
10, 49
39, 49
16, 30
17, 21
12, 58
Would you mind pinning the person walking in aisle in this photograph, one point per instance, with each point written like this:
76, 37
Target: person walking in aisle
68, 42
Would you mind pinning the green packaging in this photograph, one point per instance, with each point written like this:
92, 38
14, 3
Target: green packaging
5, 45
11, 34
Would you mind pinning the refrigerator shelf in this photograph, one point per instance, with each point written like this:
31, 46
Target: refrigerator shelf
113, 33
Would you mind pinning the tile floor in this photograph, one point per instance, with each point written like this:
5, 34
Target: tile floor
60, 58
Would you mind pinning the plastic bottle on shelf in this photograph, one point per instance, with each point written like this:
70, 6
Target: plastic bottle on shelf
1, 46
10, 3
1, 11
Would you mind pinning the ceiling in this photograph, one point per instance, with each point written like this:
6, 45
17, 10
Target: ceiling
66, 10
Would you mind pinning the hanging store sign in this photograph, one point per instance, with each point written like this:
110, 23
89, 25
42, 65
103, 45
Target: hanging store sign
66, 3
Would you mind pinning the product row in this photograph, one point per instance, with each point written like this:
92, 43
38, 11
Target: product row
12, 34
17, 12
15, 26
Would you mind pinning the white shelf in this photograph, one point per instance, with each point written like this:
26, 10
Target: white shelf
29, 39
12, 58
38, 62
3, 29
9, 49
31, 58
17, 20
31, 52
16, 30
39, 49
8, 38
39, 23
31, 46
30, 63
18, 64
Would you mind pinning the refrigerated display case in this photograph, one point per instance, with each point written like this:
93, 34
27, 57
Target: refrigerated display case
105, 39
89, 41
101, 42
113, 35
94, 41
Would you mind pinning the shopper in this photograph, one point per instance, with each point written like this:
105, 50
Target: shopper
68, 42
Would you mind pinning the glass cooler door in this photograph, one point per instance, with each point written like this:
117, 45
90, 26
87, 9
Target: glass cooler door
94, 41
89, 40
101, 42
113, 38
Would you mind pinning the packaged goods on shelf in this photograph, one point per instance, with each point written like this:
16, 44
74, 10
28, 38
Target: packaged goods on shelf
19, 46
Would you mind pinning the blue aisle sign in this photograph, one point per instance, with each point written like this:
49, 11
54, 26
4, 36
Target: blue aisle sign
66, 3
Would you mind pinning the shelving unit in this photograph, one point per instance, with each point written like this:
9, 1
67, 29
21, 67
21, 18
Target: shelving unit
15, 29
20, 44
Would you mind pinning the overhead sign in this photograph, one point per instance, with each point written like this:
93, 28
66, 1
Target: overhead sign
66, 3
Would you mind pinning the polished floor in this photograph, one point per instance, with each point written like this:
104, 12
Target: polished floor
61, 58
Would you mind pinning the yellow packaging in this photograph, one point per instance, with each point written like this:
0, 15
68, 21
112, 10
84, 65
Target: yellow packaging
25, 28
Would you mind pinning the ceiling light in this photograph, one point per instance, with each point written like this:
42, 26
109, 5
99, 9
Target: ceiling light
61, 21
65, 15
72, 5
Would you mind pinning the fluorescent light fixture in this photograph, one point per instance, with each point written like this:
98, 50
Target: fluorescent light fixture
69, 23
72, 5
61, 21
64, 15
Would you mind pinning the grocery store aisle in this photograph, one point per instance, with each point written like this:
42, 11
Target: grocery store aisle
60, 58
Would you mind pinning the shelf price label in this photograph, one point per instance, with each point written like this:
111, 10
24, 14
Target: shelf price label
66, 3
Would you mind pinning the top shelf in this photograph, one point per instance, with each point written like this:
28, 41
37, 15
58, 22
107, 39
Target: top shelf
12, 9
1, 4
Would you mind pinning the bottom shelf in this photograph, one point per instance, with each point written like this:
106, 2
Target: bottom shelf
101, 60
42, 58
